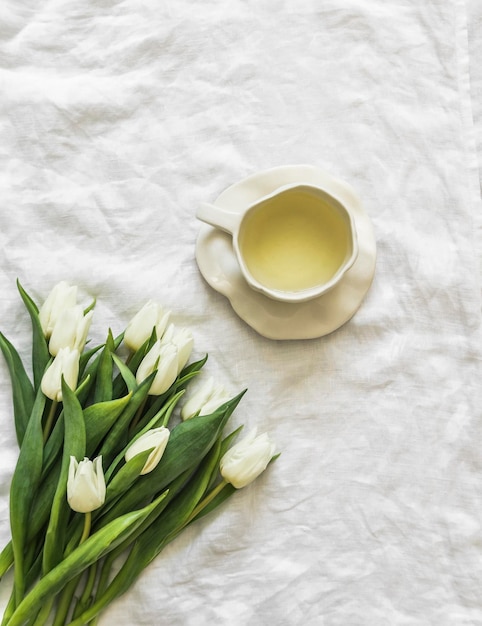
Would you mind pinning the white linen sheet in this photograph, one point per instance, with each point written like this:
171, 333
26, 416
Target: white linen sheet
117, 118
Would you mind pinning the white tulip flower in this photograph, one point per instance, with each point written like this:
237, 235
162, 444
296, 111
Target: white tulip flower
70, 330
139, 329
183, 340
85, 485
247, 459
214, 403
205, 400
62, 296
157, 439
66, 364
163, 358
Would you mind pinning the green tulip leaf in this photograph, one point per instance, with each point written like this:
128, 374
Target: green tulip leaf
99, 419
74, 445
89, 369
158, 413
86, 356
103, 383
23, 489
117, 436
43, 501
125, 372
175, 487
6, 559
53, 445
90, 307
224, 445
192, 368
125, 478
134, 362
40, 350
227, 491
87, 381
23, 393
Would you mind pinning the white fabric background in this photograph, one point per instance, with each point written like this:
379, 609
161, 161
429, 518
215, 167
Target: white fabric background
474, 12
116, 119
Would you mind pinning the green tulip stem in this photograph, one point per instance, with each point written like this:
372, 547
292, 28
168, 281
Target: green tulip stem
43, 614
102, 584
86, 596
50, 420
110, 594
65, 601
6, 559
209, 498
105, 572
87, 524
69, 590
9, 609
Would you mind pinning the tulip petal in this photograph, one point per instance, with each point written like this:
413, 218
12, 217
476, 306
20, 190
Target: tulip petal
161, 358
156, 440
247, 459
86, 485
61, 297
193, 405
140, 328
66, 364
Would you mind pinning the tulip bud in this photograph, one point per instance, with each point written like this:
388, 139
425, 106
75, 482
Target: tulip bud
61, 297
205, 400
85, 485
70, 330
163, 358
247, 459
155, 438
139, 329
66, 364
183, 340
213, 404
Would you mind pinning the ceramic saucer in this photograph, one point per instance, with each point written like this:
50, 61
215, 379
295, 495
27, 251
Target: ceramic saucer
280, 320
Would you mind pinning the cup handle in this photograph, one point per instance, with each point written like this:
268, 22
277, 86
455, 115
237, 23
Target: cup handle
218, 217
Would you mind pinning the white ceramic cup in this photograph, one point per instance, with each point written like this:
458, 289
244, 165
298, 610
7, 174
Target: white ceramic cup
292, 245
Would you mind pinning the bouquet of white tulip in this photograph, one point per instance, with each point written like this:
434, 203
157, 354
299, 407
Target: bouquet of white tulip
150, 476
